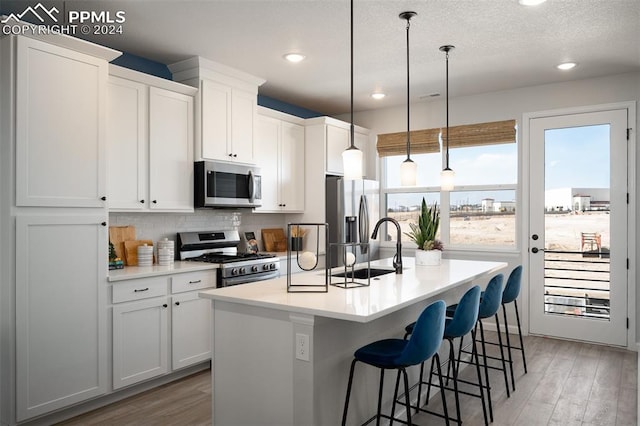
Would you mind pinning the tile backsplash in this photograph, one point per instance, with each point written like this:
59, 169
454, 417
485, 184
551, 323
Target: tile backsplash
155, 226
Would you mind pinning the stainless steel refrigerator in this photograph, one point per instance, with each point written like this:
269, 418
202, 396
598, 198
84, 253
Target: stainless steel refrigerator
352, 210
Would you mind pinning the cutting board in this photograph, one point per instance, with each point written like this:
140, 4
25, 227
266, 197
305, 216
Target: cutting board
118, 235
131, 250
274, 240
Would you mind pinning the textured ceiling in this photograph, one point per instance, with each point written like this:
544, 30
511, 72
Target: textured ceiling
499, 44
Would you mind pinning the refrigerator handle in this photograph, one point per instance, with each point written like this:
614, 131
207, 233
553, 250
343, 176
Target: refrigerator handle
363, 222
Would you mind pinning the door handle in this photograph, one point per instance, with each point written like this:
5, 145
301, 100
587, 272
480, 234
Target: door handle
364, 222
251, 184
535, 250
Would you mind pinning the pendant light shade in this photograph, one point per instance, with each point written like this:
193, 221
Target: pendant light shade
352, 162
408, 171
447, 175
352, 156
408, 168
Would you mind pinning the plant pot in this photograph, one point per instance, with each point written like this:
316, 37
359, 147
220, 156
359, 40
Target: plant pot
428, 257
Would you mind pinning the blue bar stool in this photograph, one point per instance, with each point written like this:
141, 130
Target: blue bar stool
510, 295
463, 321
398, 354
490, 301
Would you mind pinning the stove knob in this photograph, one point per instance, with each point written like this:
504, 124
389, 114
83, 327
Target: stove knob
272, 266
254, 268
234, 271
243, 270
265, 267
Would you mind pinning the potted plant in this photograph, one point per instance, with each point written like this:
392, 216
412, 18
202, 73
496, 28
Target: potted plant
429, 251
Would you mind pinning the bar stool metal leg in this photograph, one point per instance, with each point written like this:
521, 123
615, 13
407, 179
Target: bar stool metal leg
524, 361
506, 328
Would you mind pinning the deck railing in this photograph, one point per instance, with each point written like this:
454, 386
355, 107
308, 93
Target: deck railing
577, 283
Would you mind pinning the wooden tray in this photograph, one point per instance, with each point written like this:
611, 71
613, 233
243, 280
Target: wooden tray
118, 235
274, 240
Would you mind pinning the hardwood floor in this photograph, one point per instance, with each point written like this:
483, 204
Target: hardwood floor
568, 383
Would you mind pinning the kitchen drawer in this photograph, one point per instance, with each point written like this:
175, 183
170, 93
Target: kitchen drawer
193, 281
142, 288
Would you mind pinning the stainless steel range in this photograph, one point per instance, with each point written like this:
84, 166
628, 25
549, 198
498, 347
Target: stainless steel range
221, 247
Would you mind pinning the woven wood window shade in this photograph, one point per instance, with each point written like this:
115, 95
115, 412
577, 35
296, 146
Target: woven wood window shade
422, 142
496, 132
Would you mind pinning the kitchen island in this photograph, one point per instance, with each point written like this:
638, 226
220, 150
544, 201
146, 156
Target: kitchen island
283, 358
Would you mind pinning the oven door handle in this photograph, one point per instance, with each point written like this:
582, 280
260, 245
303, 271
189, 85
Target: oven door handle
252, 186
226, 282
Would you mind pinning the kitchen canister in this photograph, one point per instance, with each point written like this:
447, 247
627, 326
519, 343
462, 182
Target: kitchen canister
145, 255
166, 252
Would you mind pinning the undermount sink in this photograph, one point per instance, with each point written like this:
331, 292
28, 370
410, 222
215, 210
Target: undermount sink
364, 273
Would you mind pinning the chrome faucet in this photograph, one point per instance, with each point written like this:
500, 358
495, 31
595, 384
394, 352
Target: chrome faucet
397, 259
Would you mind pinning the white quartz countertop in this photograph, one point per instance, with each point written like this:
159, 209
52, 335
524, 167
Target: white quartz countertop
178, 267
386, 293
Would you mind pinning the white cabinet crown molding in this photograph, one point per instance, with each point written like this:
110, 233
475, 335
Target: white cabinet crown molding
334, 122
199, 67
71, 43
151, 80
268, 112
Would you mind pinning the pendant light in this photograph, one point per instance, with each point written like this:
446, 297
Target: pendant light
408, 169
352, 156
447, 175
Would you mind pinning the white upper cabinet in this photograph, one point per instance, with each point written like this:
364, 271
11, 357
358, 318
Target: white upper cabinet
170, 150
326, 138
127, 144
225, 109
279, 151
60, 126
150, 135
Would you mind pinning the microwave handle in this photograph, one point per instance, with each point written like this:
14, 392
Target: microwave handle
252, 186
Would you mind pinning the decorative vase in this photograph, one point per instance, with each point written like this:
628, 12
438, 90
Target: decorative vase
428, 257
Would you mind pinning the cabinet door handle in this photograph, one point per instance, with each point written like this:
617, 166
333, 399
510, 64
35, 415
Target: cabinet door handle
235, 155
141, 201
103, 198
138, 290
104, 224
195, 282
230, 155
177, 303
155, 201
164, 305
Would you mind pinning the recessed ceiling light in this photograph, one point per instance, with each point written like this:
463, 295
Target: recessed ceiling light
566, 66
294, 57
531, 2
378, 95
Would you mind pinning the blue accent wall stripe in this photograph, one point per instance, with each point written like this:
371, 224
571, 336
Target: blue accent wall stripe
147, 66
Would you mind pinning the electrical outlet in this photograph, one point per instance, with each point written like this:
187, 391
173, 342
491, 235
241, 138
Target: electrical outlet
302, 347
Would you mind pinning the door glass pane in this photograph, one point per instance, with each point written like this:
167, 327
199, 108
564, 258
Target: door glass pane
577, 225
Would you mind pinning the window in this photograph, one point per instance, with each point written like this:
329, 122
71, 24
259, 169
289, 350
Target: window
481, 211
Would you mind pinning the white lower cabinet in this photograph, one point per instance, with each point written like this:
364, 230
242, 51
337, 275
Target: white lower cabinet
155, 332
190, 330
140, 334
61, 315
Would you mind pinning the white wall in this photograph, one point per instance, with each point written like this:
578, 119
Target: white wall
510, 104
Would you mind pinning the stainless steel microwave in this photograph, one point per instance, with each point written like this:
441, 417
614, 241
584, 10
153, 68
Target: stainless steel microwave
227, 185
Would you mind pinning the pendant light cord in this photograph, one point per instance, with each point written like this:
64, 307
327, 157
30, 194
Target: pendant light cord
447, 93
408, 120
352, 129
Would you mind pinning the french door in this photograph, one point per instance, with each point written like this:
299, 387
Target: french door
578, 242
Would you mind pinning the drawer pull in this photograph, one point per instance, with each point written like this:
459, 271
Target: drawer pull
177, 303
140, 290
195, 282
